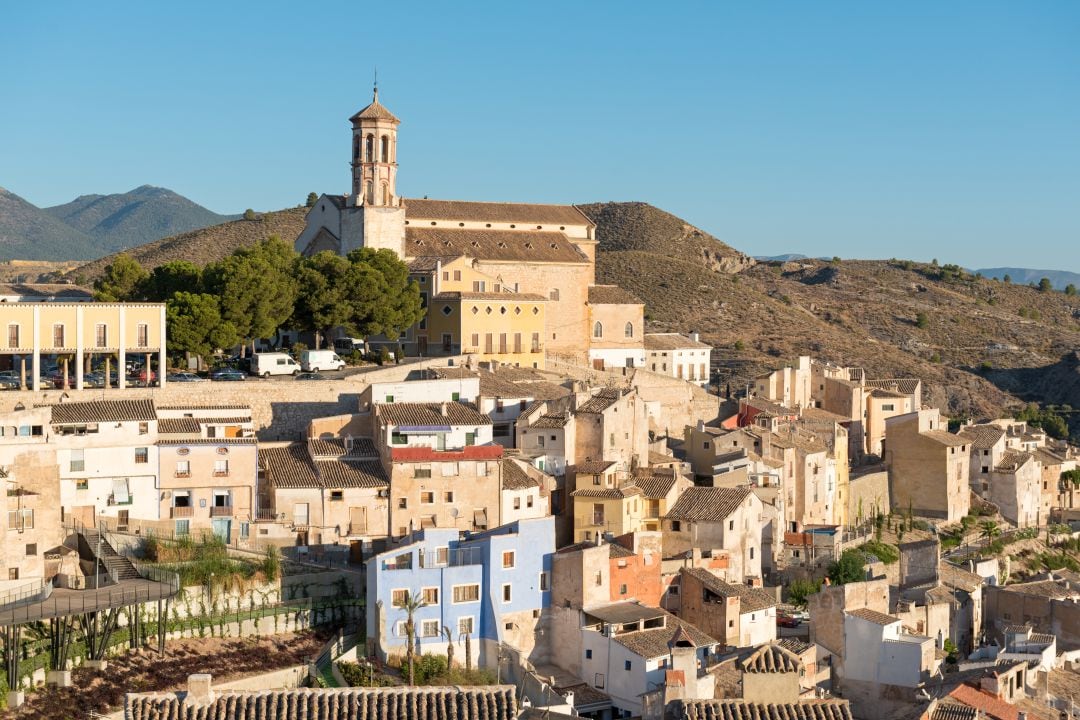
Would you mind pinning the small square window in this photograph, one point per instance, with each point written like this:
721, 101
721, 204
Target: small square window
627, 665
588, 654
337, 495
31, 549
446, 310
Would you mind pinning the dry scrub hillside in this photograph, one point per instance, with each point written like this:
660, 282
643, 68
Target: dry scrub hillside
207, 244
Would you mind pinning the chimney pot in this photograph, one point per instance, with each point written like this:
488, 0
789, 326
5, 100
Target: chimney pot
442, 409
200, 688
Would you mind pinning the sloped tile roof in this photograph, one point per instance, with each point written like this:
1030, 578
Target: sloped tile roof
600, 401
500, 212
907, 386
591, 467
672, 341
493, 702
515, 478
954, 712
772, 658
457, 413
424, 263
655, 483
958, 578
656, 642
750, 599
208, 441
494, 245
178, 426
496, 296
608, 493
744, 710
794, 645
375, 111
289, 466
351, 474
945, 437
98, 411
982, 437
708, 503
612, 295
551, 421
335, 447
50, 290
615, 550
873, 616
993, 708
1011, 461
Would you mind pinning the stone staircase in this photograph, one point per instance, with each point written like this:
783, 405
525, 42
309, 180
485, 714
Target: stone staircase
114, 561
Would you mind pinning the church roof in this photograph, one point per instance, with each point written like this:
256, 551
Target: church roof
527, 214
374, 111
506, 245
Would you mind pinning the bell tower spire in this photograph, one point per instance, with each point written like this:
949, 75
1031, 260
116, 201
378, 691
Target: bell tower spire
374, 154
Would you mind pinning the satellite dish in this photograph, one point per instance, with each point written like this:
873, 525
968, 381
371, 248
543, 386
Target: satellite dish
454, 512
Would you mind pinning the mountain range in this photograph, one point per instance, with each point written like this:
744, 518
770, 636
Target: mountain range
94, 225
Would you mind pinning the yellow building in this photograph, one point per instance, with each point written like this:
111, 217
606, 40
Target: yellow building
469, 312
81, 330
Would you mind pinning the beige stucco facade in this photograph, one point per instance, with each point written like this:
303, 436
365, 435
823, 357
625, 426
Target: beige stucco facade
81, 330
928, 466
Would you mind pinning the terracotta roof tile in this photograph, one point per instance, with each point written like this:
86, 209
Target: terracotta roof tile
514, 477
289, 466
179, 426
351, 474
610, 493
708, 503
673, 341
431, 414
907, 386
945, 437
532, 214
600, 401
772, 658
396, 703
590, 467
994, 708
982, 437
656, 642
612, 295
356, 447
551, 421
375, 111
873, 616
655, 483
494, 245
750, 599
1011, 461
97, 411
494, 296
745, 710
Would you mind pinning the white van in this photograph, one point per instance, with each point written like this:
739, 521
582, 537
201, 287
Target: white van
349, 345
317, 360
275, 363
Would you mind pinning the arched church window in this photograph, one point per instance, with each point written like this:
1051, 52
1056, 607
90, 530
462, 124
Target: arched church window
369, 149
384, 151
369, 193
385, 194
598, 329
630, 330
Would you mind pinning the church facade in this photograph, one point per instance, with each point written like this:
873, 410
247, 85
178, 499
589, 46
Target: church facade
512, 282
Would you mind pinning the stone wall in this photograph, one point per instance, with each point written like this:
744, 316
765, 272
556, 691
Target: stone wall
281, 408
866, 492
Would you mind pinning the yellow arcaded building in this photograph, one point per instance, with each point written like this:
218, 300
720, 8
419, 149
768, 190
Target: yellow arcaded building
502, 281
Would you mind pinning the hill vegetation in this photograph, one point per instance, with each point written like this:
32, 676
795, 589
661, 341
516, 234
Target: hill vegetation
94, 225
982, 346
128, 219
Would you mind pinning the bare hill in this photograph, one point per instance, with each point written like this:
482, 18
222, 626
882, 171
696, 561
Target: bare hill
622, 226
207, 244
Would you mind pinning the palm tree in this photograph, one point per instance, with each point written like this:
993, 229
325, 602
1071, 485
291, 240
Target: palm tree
410, 603
449, 647
468, 651
990, 530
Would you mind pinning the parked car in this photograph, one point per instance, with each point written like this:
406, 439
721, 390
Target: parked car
94, 380
184, 377
8, 382
316, 360
277, 363
227, 374
787, 621
310, 376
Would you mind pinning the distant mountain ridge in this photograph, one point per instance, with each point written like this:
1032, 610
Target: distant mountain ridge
1025, 276
94, 225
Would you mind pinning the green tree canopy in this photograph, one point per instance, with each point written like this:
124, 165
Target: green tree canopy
1070, 289
1045, 285
168, 279
121, 280
324, 282
312, 198
849, 568
195, 324
383, 299
256, 287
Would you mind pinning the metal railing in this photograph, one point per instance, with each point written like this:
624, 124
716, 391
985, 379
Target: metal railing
32, 591
221, 511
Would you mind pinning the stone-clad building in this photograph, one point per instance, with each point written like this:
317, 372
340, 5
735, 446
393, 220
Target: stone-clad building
512, 281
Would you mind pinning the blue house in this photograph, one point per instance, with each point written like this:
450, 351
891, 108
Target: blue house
493, 587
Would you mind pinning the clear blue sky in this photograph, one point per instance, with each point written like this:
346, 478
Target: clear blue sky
860, 129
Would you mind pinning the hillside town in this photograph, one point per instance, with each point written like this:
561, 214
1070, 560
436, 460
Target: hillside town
512, 500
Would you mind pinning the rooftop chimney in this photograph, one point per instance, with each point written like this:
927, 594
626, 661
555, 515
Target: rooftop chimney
442, 409
200, 690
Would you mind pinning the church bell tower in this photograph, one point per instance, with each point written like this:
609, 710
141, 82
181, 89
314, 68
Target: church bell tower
374, 156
